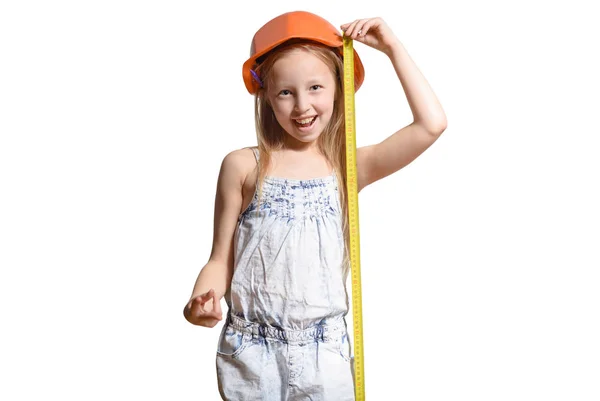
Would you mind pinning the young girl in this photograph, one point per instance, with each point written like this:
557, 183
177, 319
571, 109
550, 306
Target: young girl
280, 237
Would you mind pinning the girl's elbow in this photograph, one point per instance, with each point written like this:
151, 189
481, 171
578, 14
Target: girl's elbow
438, 128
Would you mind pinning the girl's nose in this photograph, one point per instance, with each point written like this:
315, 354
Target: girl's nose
301, 104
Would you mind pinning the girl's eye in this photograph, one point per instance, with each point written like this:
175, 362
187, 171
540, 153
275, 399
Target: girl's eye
315, 87
285, 92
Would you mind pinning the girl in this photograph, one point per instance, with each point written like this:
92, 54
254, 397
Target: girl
279, 251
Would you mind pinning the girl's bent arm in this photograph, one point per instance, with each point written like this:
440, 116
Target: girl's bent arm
216, 274
404, 146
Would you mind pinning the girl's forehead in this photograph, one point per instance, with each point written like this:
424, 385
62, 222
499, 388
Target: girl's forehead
298, 54
299, 60
299, 74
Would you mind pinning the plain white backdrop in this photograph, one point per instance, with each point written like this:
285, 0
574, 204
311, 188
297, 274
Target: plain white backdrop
480, 261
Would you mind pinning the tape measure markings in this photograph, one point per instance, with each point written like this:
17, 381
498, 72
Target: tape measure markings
353, 221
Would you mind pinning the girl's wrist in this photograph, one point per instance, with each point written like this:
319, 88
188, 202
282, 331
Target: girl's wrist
394, 48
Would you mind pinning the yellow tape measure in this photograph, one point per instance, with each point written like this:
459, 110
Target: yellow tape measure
352, 180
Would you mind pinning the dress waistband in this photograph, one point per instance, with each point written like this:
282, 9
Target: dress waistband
325, 330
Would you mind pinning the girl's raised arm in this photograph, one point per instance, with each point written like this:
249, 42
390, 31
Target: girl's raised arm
377, 161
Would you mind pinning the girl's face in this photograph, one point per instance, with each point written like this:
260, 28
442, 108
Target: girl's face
302, 93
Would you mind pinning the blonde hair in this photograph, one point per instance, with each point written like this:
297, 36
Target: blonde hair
332, 141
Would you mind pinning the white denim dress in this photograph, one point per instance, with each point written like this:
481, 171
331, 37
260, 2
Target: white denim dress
286, 337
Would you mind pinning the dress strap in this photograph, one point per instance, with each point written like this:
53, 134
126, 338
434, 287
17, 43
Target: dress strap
256, 154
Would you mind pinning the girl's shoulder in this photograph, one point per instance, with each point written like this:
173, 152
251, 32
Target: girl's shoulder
239, 164
242, 156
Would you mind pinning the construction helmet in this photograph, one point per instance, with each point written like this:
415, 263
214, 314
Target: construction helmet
294, 25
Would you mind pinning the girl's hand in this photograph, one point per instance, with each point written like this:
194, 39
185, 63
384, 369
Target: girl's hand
197, 312
373, 32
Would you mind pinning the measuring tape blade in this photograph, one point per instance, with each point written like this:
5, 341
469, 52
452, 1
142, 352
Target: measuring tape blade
352, 185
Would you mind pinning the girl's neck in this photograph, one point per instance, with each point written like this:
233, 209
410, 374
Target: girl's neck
292, 144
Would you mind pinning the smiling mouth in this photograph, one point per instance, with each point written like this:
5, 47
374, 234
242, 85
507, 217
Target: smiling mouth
305, 122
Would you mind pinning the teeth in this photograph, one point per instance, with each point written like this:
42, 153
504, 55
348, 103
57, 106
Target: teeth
305, 121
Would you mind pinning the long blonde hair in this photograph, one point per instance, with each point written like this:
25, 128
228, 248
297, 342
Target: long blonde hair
332, 141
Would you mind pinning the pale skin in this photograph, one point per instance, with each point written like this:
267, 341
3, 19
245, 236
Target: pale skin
238, 174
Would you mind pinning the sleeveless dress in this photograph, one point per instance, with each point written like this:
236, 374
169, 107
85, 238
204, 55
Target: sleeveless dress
286, 337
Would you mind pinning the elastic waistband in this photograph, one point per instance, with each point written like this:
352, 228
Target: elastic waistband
327, 330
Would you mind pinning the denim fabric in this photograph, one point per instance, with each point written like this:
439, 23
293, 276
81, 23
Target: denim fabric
261, 363
285, 337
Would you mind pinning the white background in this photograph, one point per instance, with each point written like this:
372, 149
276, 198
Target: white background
480, 260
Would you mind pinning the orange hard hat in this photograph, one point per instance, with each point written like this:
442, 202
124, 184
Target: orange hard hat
294, 25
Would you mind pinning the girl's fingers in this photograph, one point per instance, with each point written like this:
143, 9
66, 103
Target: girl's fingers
212, 315
209, 323
205, 297
197, 304
217, 307
199, 315
360, 29
366, 27
350, 28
